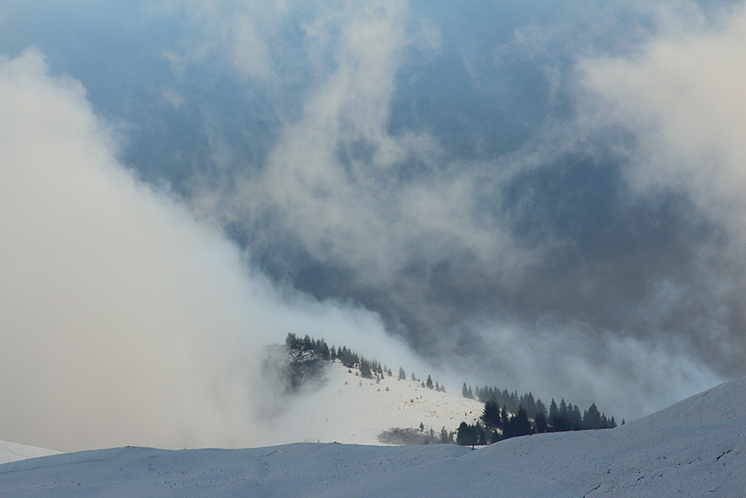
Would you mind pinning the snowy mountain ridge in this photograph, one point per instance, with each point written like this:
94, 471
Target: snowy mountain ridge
355, 410
657, 456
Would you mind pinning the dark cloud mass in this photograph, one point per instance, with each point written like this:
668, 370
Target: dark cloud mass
540, 195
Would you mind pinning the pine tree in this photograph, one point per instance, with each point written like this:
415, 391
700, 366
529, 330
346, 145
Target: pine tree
527, 402
592, 418
402, 374
576, 419
445, 438
554, 417
467, 435
540, 423
365, 371
563, 411
491, 416
519, 424
429, 383
464, 435
540, 409
561, 422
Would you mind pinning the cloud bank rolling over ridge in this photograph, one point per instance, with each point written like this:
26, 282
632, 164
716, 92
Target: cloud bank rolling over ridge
521, 195
125, 321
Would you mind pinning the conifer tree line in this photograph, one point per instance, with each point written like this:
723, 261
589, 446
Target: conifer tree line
369, 369
506, 415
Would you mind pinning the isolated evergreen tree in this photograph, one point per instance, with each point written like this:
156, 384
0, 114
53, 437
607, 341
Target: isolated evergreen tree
402, 374
464, 391
429, 383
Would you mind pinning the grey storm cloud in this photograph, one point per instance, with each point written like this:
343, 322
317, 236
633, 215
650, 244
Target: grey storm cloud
539, 195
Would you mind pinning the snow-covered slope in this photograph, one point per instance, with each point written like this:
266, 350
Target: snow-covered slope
725, 403
11, 452
350, 409
702, 452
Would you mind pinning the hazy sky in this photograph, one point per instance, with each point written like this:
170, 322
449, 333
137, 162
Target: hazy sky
542, 196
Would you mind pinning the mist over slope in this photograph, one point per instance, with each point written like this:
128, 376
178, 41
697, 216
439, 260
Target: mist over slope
699, 453
523, 193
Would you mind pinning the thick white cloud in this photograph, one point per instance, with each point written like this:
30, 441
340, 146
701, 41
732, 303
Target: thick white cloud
683, 95
123, 320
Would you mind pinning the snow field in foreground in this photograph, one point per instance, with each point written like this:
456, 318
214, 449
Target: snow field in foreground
698, 449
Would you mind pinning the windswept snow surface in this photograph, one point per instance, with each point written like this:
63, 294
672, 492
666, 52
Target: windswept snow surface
698, 449
11, 452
